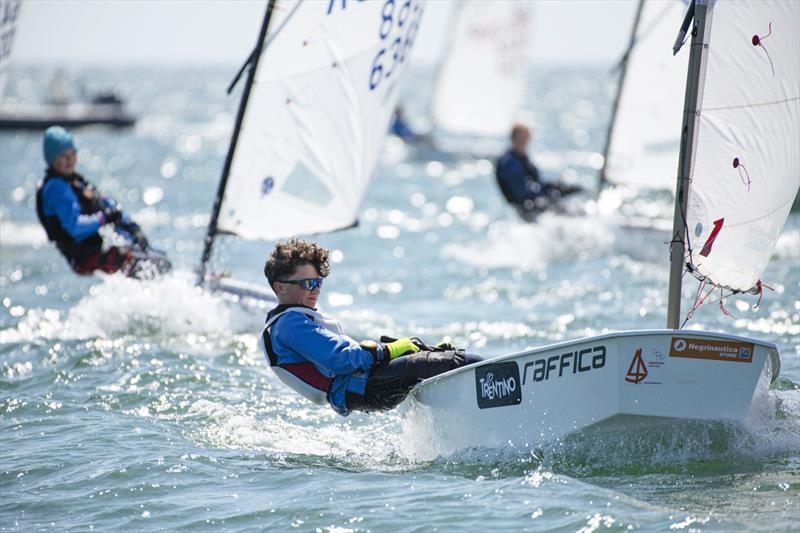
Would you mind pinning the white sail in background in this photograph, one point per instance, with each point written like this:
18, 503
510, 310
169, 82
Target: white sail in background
9, 18
322, 97
746, 168
480, 85
645, 137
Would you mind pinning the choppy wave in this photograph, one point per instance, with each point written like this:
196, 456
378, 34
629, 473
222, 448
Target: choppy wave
19, 234
533, 246
633, 445
788, 245
117, 306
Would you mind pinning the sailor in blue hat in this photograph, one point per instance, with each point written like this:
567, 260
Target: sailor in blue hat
72, 212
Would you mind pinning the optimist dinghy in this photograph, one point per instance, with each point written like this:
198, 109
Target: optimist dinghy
489, 38
322, 83
738, 175
644, 131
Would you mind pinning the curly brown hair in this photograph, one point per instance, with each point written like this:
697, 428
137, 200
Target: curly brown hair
290, 254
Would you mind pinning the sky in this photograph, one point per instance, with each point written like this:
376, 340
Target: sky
202, 32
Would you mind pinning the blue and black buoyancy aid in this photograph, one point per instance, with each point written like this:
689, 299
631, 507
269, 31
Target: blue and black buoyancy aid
303, 377
90, 200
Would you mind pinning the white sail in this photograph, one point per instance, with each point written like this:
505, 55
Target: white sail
644, 140
480, 85
746, 168
9, 15
322, 96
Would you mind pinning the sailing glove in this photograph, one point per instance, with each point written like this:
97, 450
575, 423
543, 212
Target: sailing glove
445, 344
400, 347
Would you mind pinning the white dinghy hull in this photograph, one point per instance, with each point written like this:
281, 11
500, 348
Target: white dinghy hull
536, 396
241, 291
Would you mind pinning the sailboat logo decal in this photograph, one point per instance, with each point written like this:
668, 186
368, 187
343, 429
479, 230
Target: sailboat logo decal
637, 372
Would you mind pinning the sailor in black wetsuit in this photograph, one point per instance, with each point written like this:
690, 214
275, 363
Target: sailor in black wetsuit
72, 211
518, 179
310, 352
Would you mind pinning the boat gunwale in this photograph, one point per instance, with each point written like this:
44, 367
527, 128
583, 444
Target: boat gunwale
627, 333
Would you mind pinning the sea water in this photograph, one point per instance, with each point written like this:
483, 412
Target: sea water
148, 406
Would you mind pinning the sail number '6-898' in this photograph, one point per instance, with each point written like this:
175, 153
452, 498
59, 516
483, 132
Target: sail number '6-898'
397, 30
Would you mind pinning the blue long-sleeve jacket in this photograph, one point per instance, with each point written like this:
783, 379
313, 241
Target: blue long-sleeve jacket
517, 177
401, 129
59, 199
296, 338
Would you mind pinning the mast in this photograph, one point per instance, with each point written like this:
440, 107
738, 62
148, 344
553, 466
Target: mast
623, 66
693, 81
253, 62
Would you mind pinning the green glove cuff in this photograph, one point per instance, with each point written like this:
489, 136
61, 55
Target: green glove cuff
400, 347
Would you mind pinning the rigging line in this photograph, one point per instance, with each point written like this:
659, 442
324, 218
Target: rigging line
761, 286
722, 304
260, 48
702, 277
745, 106
271, 37
722, 297
686, 234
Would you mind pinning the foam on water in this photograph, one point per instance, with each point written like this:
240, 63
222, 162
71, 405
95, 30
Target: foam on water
768, 432
165, 307
22, 235
533, 246
297, 430
788, 245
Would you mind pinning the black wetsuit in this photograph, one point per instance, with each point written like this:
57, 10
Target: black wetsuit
519, 181
389, 382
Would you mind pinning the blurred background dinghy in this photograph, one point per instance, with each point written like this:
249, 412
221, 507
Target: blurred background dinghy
321, 87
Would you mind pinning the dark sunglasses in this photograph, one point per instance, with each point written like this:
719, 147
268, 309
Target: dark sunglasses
308, 284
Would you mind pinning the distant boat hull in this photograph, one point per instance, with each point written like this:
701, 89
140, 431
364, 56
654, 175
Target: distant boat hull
240, 291
639, 377
69, 116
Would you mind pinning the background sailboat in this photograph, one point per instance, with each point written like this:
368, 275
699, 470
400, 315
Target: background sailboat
741, 100
644, 132
480, 84
10, 11
61, 108
322, 84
